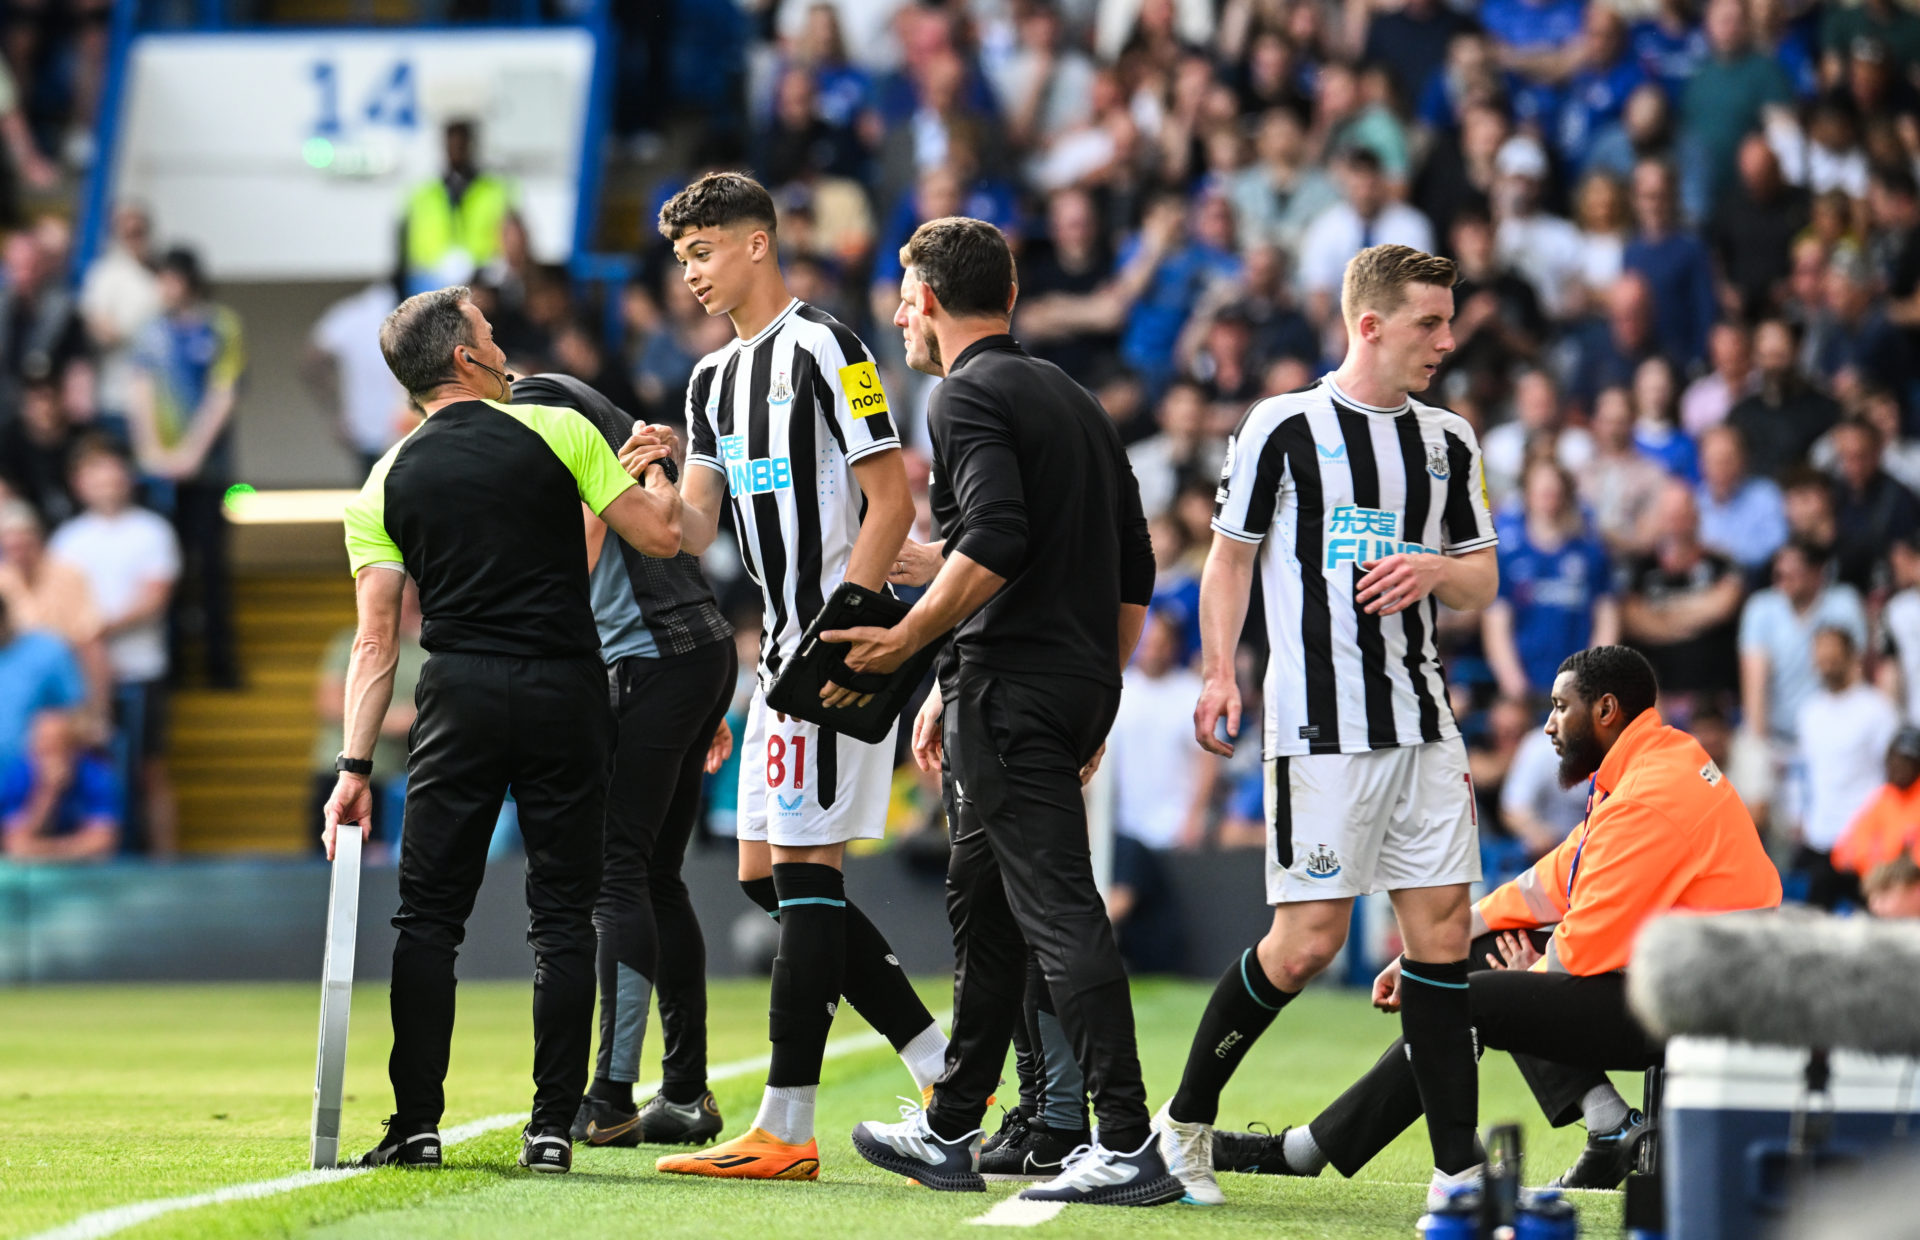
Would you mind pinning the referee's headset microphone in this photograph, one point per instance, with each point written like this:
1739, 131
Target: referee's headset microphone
505, 376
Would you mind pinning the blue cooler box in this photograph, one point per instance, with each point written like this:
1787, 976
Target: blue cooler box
1726, 1118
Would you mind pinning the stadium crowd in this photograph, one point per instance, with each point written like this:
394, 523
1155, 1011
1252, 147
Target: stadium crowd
1690, 245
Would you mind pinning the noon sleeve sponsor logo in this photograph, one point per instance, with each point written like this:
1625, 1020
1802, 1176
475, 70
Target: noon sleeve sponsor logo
1356, 535
861, 383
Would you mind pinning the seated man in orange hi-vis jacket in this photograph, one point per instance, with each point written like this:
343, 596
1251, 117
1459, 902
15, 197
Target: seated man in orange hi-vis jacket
1888, 826
1664, 832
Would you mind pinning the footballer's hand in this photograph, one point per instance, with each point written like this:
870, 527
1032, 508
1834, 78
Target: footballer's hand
1220, 699
351, 803
1088, 771
917, 565
927, 739
1516, 952
1393, 584
720, 749
1386, 988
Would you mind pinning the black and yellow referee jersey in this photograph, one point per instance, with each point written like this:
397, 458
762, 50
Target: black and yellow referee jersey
481, 505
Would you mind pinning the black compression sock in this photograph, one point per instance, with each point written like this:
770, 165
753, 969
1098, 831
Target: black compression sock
808, 972
1436, 1018
683, 1093
877, 986
613, 1093
1243, 1005
760, 891
1029, 1063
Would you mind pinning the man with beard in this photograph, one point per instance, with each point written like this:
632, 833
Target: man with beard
1664, 831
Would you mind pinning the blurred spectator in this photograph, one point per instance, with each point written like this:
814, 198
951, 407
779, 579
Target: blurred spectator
1754, 226
188, 367
131, 560
1899, 452
1181, 449
49, 595
1534, 807
1277, 196
37, 674
453, 223
1163, 782
1600, 211
390, 748
797, 142
1605, 75
1850, 341
1780, 421
1787, 39
1548, 250
1365, 216
1620, 485
1537, 417
58, 801
1845, 727
1678, 270
1894, 202
1724, 97
120, 295
34, 448
1740, 516
1870, 508
1349, 118
1164, 271
1669, 44
1607, 351
1555, 593
1899, 670
1497, 323
40, 329
1462, 171
1656, 429
1058, 316
577, 351
349, 374
1176, 580
1888, 826
1216, 351
1492, 752
1411, 39
1731, 378
1681, 603
1777, 627
1892, 890
1046, 85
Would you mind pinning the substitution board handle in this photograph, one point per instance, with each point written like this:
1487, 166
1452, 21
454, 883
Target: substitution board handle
336, 997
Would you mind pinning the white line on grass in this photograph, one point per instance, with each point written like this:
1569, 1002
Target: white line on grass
118, 1218
1013, 1212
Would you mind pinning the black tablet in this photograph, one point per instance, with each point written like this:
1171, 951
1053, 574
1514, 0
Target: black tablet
796, 691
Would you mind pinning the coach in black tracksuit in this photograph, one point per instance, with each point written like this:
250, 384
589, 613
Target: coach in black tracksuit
481, 506
1047, 575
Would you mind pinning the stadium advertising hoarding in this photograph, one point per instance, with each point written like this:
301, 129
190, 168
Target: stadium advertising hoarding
288, 156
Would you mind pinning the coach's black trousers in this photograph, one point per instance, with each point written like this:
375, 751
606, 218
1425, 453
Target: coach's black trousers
1021, 873
668, 710
1565, 1034
544, 728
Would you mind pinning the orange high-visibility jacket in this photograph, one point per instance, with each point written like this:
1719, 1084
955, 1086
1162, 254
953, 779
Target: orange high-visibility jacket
1887, 827
1664, 830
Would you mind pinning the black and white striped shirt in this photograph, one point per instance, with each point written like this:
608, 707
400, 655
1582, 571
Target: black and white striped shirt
1328, 483
782, 417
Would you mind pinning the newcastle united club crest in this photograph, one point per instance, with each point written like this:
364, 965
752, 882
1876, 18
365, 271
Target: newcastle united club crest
1437, 461
1322, 862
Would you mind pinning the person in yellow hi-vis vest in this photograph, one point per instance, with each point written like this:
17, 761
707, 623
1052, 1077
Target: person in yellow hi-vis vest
453, 223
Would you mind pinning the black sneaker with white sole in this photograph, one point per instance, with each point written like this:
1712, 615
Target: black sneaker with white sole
1607, 1156
912, 1148
1097, 1176
405, 1145
680, 1123
549, 1152
1024, 1150
1255, 1152
603, 1123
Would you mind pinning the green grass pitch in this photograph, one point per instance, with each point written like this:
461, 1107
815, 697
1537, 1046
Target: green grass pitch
118, 1094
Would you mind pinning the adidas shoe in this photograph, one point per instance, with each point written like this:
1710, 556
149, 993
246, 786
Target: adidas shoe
1187, 1149
1028, 1151
677, 1123
913, 1149
1097, 1176
603, 1123
1607, 1156
753, 1155
1444, 1188
1253, 1152
549, 1152
403, 1146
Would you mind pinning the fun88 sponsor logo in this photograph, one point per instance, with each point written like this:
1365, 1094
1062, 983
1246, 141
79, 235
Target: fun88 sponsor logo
1357, 535
757, 476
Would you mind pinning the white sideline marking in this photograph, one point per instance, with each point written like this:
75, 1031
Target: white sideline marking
118, 1218
1013, 1212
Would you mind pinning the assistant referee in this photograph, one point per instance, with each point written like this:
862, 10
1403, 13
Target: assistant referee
1047, 575
481, 506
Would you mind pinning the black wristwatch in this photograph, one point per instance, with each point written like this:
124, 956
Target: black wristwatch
362, 767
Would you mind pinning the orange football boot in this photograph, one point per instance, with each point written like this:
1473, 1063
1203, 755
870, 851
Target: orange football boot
754, 1155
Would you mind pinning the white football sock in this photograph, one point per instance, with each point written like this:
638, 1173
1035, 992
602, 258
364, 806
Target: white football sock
926, 1055
786, 1113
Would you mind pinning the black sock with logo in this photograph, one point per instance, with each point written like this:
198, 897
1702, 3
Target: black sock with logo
1436, 1018
808, 972
1242, 1006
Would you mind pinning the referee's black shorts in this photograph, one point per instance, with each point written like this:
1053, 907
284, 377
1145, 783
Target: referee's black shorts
545, 728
